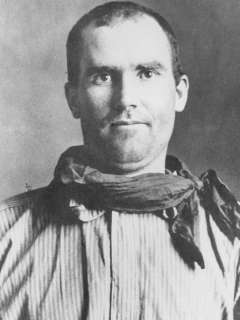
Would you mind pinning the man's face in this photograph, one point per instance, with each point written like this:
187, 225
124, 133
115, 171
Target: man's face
126, 95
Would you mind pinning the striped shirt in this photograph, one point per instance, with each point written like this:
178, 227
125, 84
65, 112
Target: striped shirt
110, 265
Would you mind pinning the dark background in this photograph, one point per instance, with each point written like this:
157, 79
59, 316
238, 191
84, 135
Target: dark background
36, 126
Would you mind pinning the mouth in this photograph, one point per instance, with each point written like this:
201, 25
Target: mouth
127, 123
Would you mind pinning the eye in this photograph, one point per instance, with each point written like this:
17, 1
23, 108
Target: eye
101, 78
146, 74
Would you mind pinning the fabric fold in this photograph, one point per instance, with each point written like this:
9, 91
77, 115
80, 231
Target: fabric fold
174, 196
145, 193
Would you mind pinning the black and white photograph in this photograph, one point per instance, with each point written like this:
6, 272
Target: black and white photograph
119, 163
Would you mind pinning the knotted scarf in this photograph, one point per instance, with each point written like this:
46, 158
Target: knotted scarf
173, 197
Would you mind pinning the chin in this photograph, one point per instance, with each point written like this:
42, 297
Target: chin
127, 151
128, 167
125, 160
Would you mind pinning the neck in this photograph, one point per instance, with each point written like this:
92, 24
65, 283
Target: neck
157, 165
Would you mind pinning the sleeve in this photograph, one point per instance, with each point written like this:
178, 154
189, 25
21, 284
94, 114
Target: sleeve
237, 277
219, 201
15, 258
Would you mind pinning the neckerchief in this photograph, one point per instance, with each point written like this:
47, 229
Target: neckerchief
171, 196
174, 197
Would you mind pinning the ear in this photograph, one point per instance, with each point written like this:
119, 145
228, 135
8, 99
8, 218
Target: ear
182, 93
71, 94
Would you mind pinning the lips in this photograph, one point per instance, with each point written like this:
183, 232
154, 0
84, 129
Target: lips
127, 122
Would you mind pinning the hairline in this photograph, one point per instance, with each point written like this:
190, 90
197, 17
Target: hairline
119, 20
108, 22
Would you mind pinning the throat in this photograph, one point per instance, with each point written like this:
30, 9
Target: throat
129, 167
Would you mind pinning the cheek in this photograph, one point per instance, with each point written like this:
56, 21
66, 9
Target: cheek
160, 107
159, 97
96, 102
163, 125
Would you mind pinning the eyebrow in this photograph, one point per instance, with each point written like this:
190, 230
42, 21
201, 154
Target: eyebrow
95, 69
140, 66
151, 65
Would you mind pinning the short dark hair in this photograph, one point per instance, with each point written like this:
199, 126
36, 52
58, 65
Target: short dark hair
103, 15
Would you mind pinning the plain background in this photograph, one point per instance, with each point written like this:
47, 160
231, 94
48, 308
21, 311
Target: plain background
36, 125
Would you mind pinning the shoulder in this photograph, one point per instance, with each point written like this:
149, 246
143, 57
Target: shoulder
218, 200
16, 208
21, 200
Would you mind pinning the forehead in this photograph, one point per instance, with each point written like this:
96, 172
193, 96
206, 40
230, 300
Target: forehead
126, 40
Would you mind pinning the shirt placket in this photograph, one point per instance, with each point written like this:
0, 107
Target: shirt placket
115, 256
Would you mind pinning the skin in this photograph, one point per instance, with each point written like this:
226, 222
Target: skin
126, 95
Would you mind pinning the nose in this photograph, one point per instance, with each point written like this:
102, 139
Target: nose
126, 97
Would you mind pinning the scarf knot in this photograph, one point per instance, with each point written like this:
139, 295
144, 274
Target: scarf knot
171, 196
174, 196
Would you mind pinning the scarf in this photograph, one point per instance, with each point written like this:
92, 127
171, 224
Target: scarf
173, 197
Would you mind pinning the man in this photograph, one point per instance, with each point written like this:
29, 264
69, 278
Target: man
123, 231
